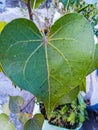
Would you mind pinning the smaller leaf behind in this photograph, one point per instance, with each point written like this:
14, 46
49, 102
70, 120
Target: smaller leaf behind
24, 117
15, 103
37, 3
35, 123
5, 123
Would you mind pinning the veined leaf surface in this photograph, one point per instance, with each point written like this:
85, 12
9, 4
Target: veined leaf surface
49, 67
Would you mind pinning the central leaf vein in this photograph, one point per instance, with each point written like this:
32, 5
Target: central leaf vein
47, 63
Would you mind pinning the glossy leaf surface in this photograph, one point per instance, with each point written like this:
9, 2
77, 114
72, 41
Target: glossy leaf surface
49, 67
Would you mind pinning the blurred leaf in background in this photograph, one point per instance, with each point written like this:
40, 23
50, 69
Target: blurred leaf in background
5, 123
15, 103
34, 124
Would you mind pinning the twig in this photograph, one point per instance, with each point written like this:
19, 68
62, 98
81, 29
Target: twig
29, 10
40, 25
32, 99
81, 9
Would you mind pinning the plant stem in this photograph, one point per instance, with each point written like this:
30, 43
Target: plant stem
29, 10
34, 4
32, 99
80, 10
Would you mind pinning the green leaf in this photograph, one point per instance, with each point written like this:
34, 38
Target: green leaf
34, 124
82, 86
94, 64
96, 57
5, 123
49, 67
24, 117
15, 103
64, 2
70, 96
71, 118
37, 3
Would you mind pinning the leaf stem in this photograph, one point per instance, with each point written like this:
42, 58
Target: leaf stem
24, 108
81, 9
34, 4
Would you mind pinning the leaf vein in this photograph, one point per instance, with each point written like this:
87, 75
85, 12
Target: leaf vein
56, 80
65, 59
29, 57
26, 41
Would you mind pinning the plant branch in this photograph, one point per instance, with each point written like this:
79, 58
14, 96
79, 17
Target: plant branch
32, 99
80, 10
29, 10
40, 25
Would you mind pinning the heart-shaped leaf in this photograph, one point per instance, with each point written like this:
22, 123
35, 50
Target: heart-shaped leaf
34, 124
15, 103
49, 67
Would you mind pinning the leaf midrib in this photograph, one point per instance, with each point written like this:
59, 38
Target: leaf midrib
47, 63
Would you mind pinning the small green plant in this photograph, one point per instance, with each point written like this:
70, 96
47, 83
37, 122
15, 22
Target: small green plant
70, 115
